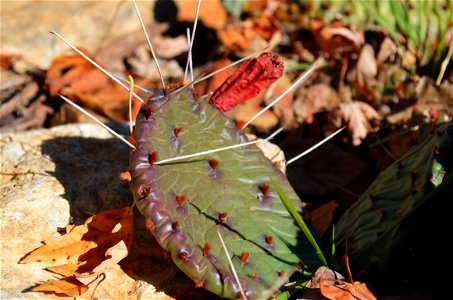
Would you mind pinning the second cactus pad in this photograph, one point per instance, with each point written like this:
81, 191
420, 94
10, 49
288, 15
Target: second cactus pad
188, 203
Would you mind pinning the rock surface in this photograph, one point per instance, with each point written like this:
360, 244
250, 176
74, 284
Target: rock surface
25, 26
52, 177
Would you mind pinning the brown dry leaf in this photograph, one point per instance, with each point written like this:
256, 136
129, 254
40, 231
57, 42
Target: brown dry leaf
68, 287
212, 12
388, 50
245, 111
336, 39
356, 115
85, 251
275, 91
6, 61
313, 99
167, 47
75, 72
322, 217
214, 82
345, 290
252, 34
77, 79
364, 73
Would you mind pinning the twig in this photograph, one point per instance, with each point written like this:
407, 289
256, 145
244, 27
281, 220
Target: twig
19, 100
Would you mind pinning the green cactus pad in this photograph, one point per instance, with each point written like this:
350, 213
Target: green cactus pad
375, 224
187, 202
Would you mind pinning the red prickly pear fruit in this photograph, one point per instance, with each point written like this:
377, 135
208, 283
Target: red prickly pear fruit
248, 80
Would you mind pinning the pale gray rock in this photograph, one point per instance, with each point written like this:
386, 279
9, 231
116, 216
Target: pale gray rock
25, 26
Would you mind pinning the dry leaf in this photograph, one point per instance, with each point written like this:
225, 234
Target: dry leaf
313, 99
336, 39
75, 72
257, 32
168, 47
85, 251
322, 217
77, 79
245, 111
345, 290
387, 51
356, 115
214, 82
212, 13
330, 284
6, 61
364, 72
323, 273
68, 287
277, 89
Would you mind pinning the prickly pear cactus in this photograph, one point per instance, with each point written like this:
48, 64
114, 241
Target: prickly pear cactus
375, 223
187, 203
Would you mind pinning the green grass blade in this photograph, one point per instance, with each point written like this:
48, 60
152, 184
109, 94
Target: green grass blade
295, 214
373, 12
332, 260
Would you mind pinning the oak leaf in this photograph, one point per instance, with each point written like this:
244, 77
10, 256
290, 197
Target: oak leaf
85, 251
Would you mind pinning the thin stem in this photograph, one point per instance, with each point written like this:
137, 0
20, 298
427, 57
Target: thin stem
114, 133
149, 44
96, 65
302, 78
233, 269
314, 147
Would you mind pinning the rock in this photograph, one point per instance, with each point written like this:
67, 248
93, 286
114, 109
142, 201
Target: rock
52, 177
26, 25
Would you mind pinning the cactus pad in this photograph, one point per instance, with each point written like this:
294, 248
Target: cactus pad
231, 192
374, 223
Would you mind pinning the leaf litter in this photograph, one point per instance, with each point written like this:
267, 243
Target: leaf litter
85, 252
